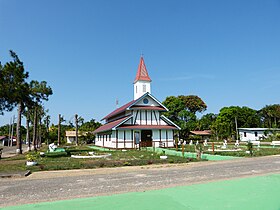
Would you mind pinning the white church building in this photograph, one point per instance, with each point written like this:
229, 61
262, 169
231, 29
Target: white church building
139, 122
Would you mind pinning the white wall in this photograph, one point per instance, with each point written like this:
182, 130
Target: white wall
127, 142
138, 88
250, 135
168, 142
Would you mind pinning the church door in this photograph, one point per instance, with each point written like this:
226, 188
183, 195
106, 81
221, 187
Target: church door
146, 138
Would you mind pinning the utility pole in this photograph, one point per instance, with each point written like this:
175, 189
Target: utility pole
236, 128
12, 133
19, 140
10, 130
76, 122
58, 128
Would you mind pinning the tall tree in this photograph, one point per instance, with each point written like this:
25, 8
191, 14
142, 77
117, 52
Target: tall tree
15, 90
39, 92
225, 124
270, 116
193, 103
182, 110
207, 121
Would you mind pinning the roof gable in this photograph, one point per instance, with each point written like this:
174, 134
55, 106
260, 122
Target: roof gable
137, 102
152, 102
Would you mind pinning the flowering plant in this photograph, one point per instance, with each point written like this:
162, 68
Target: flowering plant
32, 156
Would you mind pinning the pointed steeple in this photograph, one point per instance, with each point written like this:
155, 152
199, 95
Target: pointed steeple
142, 82
142, 73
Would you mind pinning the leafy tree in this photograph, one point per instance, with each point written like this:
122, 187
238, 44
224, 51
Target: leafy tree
15, 90
89, 127
206, 121
270, 116
225, 126
182, 110
175, 105
39, 91
53, 133
4, 130
193, 103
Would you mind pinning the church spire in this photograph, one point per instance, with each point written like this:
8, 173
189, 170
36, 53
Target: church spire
142, 82
142, 73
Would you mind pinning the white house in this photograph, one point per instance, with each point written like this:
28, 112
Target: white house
71, 136
139, 122
252, 134
5, 141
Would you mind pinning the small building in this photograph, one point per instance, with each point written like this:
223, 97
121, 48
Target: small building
71, 136
253, 134
140, 122
205, 134
5, 141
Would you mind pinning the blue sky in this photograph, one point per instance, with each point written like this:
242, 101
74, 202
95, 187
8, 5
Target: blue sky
225, 51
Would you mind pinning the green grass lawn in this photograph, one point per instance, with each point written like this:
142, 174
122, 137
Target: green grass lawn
63, 160
262, 151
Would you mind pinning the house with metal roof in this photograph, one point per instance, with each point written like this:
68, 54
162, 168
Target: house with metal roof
140, 122
253, 134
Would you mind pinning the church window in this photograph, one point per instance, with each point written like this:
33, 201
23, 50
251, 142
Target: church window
144, 88
145, 101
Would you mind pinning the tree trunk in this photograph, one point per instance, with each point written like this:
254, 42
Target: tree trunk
19, 143
35, 129
76, 121
47, 131
40, 133
27, 132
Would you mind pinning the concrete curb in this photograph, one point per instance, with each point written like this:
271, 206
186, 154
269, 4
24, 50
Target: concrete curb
19, 174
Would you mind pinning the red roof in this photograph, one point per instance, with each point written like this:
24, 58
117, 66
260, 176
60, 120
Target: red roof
148, 127
202, 133
119, 110
142, 73
110, 125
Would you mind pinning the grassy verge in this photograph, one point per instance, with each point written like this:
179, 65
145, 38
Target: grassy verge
63, 160
257, 152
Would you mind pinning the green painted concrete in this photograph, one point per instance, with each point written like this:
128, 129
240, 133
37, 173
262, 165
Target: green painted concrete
191, 154
177, 153
256, 193
100, 148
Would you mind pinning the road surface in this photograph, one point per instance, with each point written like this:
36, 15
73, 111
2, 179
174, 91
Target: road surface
60, 185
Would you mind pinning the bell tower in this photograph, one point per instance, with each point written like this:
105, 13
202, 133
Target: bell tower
142, 82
